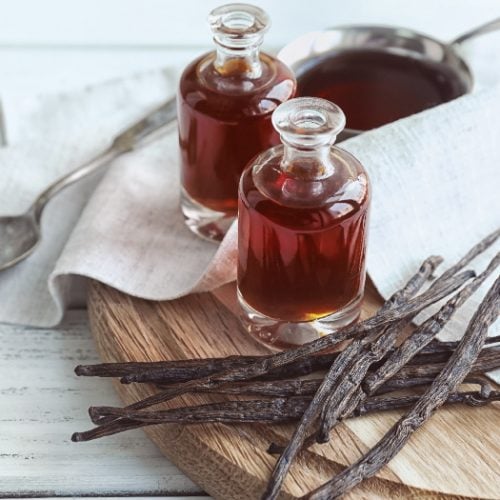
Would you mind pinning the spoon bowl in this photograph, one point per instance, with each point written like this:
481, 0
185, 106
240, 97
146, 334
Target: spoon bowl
19, 236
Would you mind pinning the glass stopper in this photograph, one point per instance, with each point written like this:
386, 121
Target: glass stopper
308, 122
238, 25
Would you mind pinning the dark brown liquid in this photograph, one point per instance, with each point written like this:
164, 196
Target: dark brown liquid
374, 88
299, 264
224, 121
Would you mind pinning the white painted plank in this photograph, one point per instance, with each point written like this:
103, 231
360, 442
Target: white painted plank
167, 22
42, 402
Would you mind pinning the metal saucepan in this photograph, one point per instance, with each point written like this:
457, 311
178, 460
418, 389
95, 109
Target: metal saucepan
299, 53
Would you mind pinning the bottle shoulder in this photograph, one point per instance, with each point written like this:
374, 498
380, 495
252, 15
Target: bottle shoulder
202, 88
338, 196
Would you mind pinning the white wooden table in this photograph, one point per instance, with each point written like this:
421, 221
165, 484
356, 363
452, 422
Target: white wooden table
42, 402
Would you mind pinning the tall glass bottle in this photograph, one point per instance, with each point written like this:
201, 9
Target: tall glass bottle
225, 102
302, 222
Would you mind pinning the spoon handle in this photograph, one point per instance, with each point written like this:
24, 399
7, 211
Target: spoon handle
480, 30
126, 141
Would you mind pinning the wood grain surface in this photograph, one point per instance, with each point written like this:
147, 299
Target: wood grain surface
456, 455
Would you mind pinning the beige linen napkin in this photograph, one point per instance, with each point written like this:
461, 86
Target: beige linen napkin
435, 183
48, 135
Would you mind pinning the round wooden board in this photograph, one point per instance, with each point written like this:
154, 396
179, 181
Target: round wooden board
457, 454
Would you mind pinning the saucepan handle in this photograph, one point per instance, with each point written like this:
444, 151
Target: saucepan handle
480, 30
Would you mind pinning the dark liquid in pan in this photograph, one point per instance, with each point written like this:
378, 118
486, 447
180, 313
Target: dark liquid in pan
374, 88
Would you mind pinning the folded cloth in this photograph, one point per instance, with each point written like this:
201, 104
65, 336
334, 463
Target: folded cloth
49, 135
435, 180
435, 183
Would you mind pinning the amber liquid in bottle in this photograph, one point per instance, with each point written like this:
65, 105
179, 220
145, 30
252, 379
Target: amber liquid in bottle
302, 225
301, 264
219, 132
225, 102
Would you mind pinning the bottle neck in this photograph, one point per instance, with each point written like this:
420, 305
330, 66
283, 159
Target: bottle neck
238, 61
308, 164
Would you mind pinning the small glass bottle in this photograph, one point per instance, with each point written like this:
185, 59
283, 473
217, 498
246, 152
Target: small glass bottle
302, 224
225, 102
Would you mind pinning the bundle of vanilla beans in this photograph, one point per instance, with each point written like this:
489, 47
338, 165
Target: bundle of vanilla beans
375, 372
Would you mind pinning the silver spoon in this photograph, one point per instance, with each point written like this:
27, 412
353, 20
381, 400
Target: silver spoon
20, 234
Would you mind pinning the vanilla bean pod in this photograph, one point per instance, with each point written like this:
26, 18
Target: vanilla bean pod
486, 361
446, 382
414, 284
417, 382
302, 366
425, 357
338, 401
253, 411
278, 410
300, 434
426, 332
327, 406
167, 375
348, 394
415, 376
470, 398
169, 372
188, 369
264, 366
283, 409
380, 403
274, 388
438, 346
178, 369
116, 426
346, 386
476, 250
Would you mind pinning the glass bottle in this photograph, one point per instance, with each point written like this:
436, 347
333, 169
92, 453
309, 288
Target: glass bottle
225, 102
302, 224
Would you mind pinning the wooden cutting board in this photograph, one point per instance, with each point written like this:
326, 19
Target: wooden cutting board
457, 454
